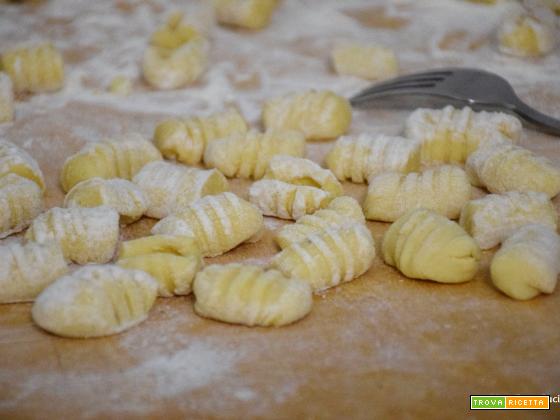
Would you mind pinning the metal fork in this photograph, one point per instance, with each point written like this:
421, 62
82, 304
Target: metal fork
477, 88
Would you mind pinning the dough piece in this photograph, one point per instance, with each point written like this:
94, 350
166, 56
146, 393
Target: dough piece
171, 188
451, 135
300, 171
319, 115
86, 235
120, 85
17, 161
218, 222
287, 201
367, 61
95, 301
34, 68
425, 245
21, 200
185, 140
119, 158
502, 167
249, 14
6, 99
119, 194
341, 211
491, 219
528, 263
248, 295
25, 270
358, 157
444, 189
329, 257
168, 244
526, 36
247, 155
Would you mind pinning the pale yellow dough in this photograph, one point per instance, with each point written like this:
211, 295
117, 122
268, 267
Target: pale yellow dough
526, 36
367, 61
6, 99
21, 200
249, 14
17, 161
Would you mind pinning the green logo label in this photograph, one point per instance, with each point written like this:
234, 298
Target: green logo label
487, 403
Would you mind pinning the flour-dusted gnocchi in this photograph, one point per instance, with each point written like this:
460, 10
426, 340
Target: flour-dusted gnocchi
491, 219
444, 189
287, 201
21, 200
523, 35
119, 194
249, 295
17, 161
95, 301
34, 68
341, 211
502, 167
425, 245
185, 140
119, 158
367, 61
218, 222
300, 171
329, 257
6, 99
250, 14
528, 263
86, 235
170, 188
358, 157
318, 115
25, 270
451, 135
247, 155
168, 244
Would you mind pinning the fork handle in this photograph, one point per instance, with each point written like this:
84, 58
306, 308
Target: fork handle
541, 121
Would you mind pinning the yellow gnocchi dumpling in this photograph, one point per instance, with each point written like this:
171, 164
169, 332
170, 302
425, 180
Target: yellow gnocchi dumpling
367, 61
528, 263
249, 295
358, 157
491, 219
502, 167
249, 14
119, 194
95, 301
329, 257
25, 270
341, 211
167, 244
247, 155
451, 135
287, 201
21, 200
185, 140
86, 235
319, 115
119, 158
170, 188
444, 189
6, 99
34, 68
526, 36
17, 161
425, 245
218, 222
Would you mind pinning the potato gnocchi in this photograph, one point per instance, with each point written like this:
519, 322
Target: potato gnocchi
367, 61
249, 14
95, 301
525, 36
6, 99
15, 160
250, 295
444, 189
425, 245
167, 244
21, 200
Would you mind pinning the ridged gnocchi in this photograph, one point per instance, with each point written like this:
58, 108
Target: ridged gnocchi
247, 155
86, 235
444, 189
121, 195
319, 115
169, 188
6, 99
186, 140
25, 270
250, 295
249, 14
119, 158
95, 301
451, 135
328, 258
425, 245
218, 222
528, 263
17, 161
168, 244
341, 211
367, 61
491, 219
502, 167
358, 157
21, 200
526, 36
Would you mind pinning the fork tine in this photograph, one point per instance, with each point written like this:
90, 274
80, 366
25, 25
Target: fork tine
416, 89
410, 79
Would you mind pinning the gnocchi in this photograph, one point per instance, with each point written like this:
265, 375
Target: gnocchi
15, 160
525, 36
366, 61
6, 99
167, 244
250, 14
21, 200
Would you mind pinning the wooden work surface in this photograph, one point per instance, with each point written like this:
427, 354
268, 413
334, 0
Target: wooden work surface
382, 346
